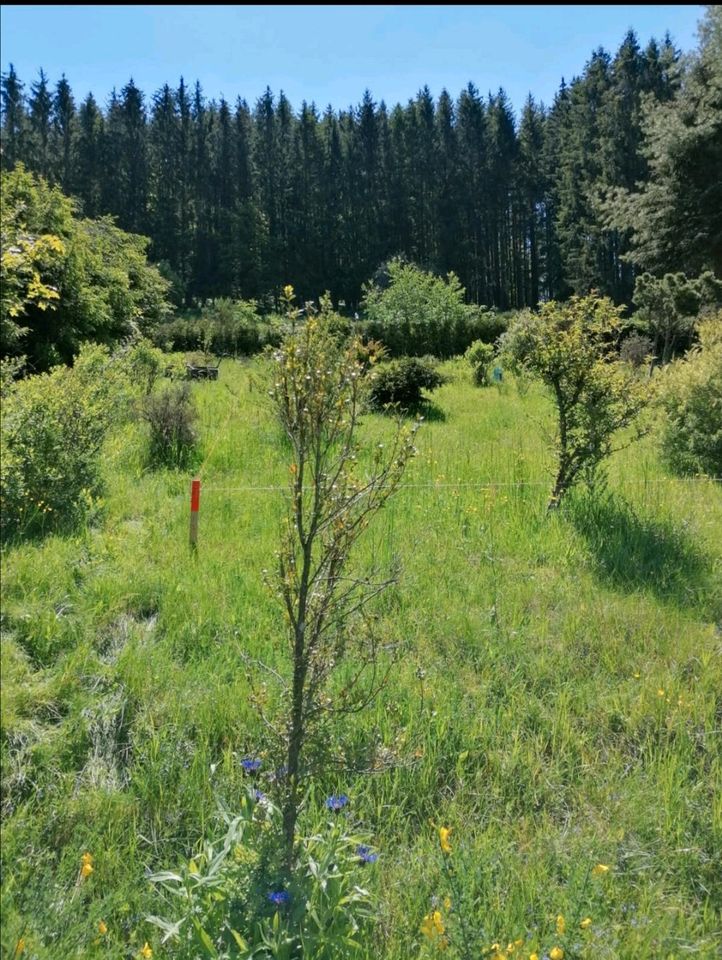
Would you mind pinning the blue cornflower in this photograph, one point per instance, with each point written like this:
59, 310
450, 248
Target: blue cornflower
258, 795
250, 765
279, 897
365, 855
337, 803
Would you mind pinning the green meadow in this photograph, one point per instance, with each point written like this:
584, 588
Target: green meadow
556, 695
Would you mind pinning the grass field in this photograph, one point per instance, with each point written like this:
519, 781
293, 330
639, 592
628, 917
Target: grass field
557, 700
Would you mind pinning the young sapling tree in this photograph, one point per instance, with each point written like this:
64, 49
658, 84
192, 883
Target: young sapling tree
573, 348
318, 392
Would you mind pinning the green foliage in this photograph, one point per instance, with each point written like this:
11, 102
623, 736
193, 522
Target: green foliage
636, 349
524, 708
675, 212
66, 280
669, 306
690, 393
170, 414
144, 364
400, 382
416, 313
53, 427
225, 327
219, 903
572, 349
480, 355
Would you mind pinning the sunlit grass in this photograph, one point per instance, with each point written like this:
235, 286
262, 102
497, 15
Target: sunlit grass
556, 698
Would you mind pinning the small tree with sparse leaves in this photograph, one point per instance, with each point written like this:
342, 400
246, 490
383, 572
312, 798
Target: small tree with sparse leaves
573, 348
318, 392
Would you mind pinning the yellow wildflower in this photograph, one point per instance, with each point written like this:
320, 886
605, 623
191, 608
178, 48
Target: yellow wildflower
600, 870
102, 928
447, 903
444, 834
556, 953
586, 922
86, 870
288, 291
146, 953
660, 692
432, 926
87, 858
519, 942
533, 956
19, 947
561, 925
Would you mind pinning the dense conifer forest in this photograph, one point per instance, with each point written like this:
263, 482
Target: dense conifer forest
239, 199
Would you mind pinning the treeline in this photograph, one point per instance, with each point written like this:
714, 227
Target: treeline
239, 200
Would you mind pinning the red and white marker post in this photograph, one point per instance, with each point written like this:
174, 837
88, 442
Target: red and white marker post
195, 506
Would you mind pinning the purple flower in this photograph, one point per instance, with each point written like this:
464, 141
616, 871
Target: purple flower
250, 765
365, 855
258, 795
337, 803
279, 897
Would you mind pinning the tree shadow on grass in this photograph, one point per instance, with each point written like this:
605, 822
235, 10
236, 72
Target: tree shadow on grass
636, 552
430, 411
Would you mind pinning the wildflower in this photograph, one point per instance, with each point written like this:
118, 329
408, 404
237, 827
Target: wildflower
86, 858
19, 947
660, 692
365, 855
102, 928
279, 897
288, 291
146, 953
444, 834
561, 925
250, 765
533, 956
447, 903
86, 870
600, 870
586, 922
432, 926
259, 796
337, 803
556, 953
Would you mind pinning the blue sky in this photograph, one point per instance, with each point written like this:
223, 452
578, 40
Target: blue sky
328, 54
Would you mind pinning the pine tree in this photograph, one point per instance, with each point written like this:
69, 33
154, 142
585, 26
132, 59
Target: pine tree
14, 119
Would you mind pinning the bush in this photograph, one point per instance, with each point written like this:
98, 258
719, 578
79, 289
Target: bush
416, 313
171, 415
690, 393
144, 364
236, 899
226, 327
480, 356
401, 382
53, 428
636, 350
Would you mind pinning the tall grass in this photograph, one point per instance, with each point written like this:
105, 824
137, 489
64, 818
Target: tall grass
556, 702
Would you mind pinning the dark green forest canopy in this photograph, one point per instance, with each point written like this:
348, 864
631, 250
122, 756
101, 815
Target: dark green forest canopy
239, 200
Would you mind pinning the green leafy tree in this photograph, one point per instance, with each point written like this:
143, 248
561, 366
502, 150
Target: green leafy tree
573, 349
67, 280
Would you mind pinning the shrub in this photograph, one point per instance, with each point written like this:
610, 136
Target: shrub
53, 427
572, 348
401, 382
232, 327
416, 313
144, 364
171, 416
690, 393
236, 899
636, 350
480, 356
